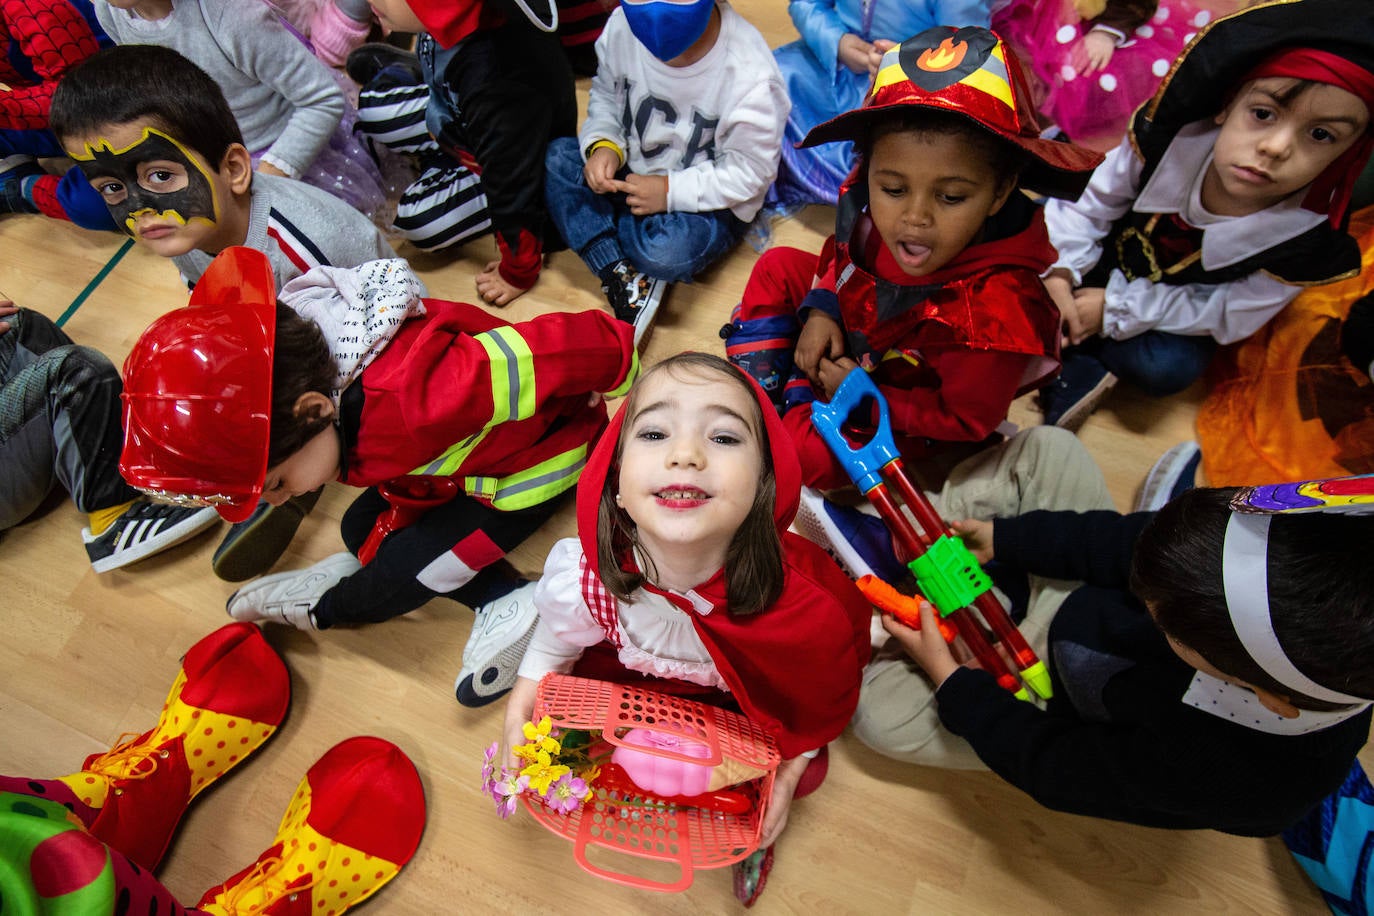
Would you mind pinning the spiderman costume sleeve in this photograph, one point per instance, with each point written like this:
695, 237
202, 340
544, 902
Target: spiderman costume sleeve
40, 40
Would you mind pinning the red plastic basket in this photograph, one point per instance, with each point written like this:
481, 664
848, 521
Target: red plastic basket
691, 838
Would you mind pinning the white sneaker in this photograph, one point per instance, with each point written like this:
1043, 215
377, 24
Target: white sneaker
816, 524
1172, 475
290, 597
492, 656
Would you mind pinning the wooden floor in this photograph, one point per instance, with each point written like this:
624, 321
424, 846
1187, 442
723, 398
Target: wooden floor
90, 656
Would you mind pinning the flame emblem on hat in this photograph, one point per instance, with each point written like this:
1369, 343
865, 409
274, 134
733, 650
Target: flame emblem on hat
945, 57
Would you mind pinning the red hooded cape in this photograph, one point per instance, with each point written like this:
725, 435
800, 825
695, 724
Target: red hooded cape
795, 667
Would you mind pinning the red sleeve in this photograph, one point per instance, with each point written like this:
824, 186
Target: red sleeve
976, 388
54, 37
553, 356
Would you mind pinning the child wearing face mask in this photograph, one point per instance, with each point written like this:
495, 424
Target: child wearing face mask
1229, 195
681, 141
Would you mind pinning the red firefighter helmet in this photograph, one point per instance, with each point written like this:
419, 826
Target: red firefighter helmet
198, 391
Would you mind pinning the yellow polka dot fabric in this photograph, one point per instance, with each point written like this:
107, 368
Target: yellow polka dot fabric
212, 742
335, 875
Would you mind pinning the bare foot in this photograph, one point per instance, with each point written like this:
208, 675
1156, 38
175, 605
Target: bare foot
494, 289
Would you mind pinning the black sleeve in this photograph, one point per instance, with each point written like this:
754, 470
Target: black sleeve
1095, 547
1124, 773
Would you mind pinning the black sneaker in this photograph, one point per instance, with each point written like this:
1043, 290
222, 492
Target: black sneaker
634, 296
144, 529
366, 61
253, 545
1082, 384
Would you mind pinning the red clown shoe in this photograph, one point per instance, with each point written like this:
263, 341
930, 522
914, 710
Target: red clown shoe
229, 697
354, 821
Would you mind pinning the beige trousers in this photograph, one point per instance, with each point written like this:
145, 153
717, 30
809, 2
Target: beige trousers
1039, 468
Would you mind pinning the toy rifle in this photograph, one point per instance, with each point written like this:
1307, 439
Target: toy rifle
946, 571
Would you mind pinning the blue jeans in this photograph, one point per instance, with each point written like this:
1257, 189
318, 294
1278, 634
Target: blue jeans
1157, 362
670, 246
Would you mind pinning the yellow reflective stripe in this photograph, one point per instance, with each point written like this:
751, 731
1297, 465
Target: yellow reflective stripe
630, 377
512, 374
453, 456
533, 485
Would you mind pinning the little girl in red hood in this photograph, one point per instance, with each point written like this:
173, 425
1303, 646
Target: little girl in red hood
684, 573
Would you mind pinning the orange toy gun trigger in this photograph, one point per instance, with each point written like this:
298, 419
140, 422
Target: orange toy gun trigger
905, 608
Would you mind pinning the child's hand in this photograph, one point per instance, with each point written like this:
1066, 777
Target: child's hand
645, 195
519, 710
1098, 47
780, 802
7, 308
832, 373
600, 170
977, 537
880, 47
1086, 319
856, 54
925, 646
268, 168
820, 337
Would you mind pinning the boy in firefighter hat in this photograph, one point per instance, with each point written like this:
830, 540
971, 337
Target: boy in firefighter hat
465, 429
932, 279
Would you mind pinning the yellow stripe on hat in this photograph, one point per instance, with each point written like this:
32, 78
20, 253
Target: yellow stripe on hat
991, 78
889, 70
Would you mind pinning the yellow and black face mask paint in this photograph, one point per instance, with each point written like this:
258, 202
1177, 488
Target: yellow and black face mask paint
130, 167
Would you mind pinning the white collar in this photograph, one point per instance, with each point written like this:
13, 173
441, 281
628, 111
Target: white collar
1236, 704
1176, 187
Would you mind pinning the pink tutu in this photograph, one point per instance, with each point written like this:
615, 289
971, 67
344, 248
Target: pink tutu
1094, 110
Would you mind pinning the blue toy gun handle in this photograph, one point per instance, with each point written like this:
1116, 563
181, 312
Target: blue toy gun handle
863, 464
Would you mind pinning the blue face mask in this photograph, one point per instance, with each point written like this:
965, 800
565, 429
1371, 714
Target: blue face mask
667, 27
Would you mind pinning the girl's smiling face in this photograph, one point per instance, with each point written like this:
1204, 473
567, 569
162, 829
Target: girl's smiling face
690, 462
929, 194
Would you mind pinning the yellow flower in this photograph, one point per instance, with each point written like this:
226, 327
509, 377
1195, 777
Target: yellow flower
538, 735
542, 771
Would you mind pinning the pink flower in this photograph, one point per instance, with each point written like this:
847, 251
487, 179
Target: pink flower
489, 770
506, 791
567, 794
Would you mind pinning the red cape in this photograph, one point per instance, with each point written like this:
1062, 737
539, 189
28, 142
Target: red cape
795, 667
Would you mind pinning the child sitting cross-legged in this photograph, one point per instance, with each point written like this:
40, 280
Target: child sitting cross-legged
684, 577
931, 281
355, 376
681, 141
1229, 195
1211, 671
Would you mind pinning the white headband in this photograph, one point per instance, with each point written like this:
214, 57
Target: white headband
1245, 576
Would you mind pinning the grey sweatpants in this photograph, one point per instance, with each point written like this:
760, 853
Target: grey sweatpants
1038, 468
59, 421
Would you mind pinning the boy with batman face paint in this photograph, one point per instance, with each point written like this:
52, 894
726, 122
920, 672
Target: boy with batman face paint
153, 134
154, 186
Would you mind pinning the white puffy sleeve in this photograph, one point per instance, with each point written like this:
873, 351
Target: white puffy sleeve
566, 626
